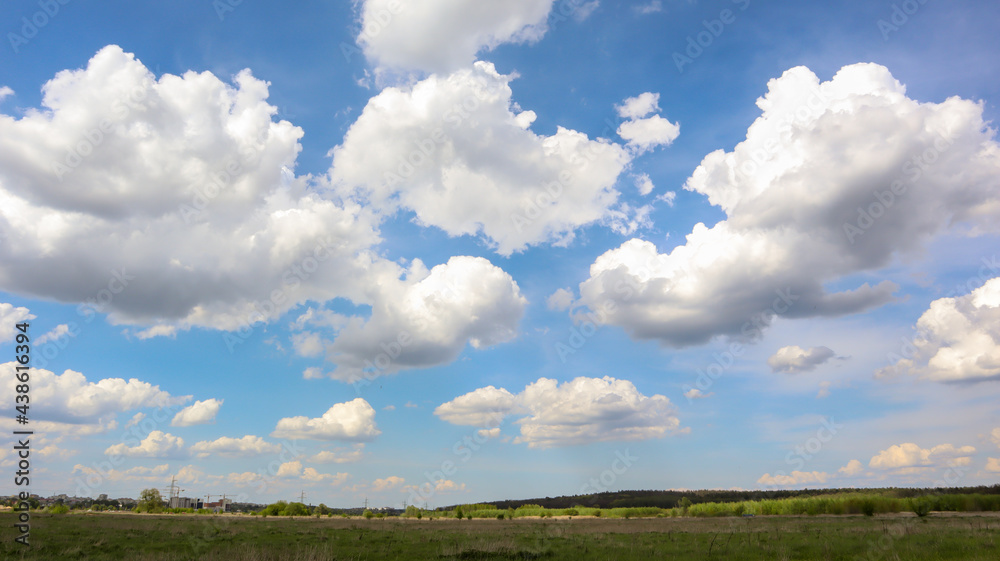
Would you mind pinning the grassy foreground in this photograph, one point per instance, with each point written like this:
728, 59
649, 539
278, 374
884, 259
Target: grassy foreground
132, 537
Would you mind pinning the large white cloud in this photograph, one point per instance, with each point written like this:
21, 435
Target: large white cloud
442, 35
172, 201
157, 444
69, 399
353, 421
833, 179
580, 411
428, 319
198, 413
458, 152
957, 339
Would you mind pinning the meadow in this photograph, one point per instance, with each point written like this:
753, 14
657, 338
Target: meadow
968, 536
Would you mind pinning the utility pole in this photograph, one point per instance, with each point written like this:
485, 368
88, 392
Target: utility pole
302, 497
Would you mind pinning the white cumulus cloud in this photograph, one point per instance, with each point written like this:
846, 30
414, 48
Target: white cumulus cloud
198, 413
68, 399
801, 195
442, 35
352, 421
910, 455
157, 444
429, 318
957, 339
579, 411
484, 407
246, 446
456, 151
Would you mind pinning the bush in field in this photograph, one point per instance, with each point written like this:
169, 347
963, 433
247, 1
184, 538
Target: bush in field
571, 512
685, 504
458, 513
58, 509
295, 509
868, 507
500, 516
920, 506
368, 514
597, 513
275, 509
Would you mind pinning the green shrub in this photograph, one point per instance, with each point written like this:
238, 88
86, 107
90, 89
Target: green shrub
368, 514
868, 507
500, 516
920, 506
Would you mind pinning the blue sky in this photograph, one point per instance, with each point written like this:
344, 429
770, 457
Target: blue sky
446, 251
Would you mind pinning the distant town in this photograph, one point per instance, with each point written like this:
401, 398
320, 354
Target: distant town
177, 503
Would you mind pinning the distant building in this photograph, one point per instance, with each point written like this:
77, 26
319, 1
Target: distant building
184, 502
223, 505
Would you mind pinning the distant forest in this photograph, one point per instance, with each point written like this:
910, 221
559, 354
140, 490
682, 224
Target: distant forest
671, 499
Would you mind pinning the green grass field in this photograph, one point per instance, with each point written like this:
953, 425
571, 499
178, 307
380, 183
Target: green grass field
133, 537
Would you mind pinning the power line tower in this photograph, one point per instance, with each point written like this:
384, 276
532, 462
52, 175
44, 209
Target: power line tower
173, 492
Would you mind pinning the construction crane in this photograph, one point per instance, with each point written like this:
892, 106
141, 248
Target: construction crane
208, 499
